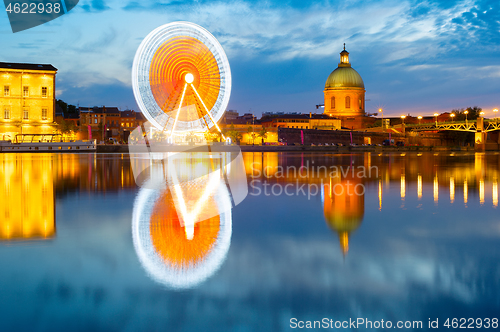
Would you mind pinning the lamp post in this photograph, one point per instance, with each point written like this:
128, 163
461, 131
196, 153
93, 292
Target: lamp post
403, 117
481, 114
495, 111
382, 111
466, 112
419, 119
436, 116
452, 116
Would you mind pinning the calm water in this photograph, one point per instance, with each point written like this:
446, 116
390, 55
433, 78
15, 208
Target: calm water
418, 239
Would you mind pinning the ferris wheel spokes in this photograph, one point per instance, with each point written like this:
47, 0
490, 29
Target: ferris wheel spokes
178, 111
210, 115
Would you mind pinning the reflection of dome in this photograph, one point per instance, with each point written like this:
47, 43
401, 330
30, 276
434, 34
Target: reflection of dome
344, 77
343, 213
168, 235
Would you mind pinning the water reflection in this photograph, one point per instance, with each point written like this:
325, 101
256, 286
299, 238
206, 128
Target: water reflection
182, 229
344, 212
27, 209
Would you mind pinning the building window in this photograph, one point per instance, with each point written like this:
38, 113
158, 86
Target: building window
6, 114
333, 102
95, 121
360, 103
44, 92
44, 114
347, 102
6, 91
26, 91
26, 114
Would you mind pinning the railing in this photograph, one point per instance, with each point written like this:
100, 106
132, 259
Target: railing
42, 138
469, 126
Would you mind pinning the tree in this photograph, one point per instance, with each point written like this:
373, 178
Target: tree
263, 134
473, 113
234, 134
252, 134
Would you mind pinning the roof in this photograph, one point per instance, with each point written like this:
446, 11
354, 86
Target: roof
297, 116
127, 114
27, 66
344, 77
100, 110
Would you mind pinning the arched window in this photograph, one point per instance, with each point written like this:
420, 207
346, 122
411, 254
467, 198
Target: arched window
333, 102
360, 103
347, 102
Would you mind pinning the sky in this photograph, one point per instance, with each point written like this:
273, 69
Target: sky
415, 57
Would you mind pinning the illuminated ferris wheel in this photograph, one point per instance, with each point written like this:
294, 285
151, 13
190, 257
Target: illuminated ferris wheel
181, 78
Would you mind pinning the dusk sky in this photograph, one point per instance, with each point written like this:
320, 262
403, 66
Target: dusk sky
415, 57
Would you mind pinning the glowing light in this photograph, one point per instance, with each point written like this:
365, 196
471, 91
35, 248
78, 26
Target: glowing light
380, 195
419, 187
466, 192
452, 190
481, 191
189, 78
495, 193
403, 187
170, 56
436, 189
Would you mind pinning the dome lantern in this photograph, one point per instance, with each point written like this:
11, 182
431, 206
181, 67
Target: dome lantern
344, 58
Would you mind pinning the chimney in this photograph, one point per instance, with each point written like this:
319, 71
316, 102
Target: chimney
310, 115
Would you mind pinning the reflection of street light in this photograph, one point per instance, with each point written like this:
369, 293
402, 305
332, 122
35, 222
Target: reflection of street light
452, 116
419, 119
436, 115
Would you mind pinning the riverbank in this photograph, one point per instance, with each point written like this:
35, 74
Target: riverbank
308, 148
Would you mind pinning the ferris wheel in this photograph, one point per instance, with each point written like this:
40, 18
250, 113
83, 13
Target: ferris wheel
181, 79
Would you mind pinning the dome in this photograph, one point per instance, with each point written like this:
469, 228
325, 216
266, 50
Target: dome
344, 77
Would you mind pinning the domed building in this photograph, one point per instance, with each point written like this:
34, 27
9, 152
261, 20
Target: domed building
345, 94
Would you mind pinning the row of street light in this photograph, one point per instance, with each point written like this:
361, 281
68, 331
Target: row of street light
452, 115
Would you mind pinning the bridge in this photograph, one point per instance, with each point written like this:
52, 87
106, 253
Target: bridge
469, 126
480, 127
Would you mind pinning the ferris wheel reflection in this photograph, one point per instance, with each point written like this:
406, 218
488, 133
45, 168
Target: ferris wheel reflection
182, 229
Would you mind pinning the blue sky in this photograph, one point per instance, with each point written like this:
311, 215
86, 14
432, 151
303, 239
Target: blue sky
415, 57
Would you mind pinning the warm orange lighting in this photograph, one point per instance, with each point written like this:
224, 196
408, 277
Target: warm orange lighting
403, 187
403, 117
380, 195
436, 190
168, 235
452, 190
419, 187
452, 115
420, 117
466, 192
481, 192
436, 114
190, 60
495, 193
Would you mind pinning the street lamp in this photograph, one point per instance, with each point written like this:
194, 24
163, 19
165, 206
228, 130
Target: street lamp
419, 119
482, 114
436, 116
382, 111
495, 111
452, 116
403, 117
466, 112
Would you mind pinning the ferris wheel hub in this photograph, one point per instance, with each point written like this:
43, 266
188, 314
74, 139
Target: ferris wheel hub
189, 78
